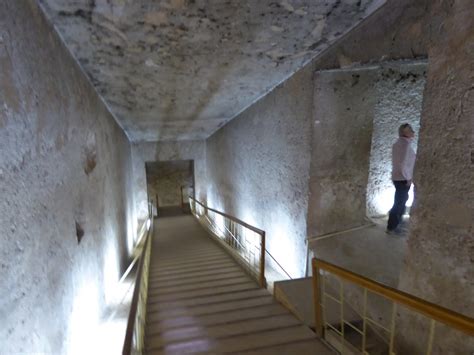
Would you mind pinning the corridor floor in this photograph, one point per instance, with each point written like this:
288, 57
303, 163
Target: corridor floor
201, 301
360, 250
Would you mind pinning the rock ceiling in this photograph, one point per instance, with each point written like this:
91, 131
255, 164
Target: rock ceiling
180, 69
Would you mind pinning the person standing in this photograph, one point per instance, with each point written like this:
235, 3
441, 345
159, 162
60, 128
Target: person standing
403, 162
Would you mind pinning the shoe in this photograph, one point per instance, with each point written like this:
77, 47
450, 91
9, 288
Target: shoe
404, 224
393, 232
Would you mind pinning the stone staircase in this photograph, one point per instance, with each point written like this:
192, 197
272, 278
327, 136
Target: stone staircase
201, 301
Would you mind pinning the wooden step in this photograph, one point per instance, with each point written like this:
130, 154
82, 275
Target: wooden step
248, 285
184, 263
201, 300
199, 286
214, 319
239, 343
189, 256
208, 300
158, 268
169, 253
187, 270
307, 347
196, 247
192, 275
208, 309
221, 331
197, 279
266, 338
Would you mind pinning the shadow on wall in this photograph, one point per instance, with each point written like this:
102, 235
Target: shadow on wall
197, 121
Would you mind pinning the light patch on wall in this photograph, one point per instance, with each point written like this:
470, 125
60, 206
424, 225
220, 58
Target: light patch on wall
252, 239
108, 338
248, 218
411, 196
279, 232
111, 274
131, 236
283, 248
399, 93
84, 319
199, 209
220, 223
216, 218
383, 200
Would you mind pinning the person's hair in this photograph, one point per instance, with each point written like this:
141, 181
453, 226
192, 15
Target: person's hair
402, 128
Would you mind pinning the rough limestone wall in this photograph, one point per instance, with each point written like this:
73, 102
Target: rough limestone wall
439, 265
396, 31
168, 187
165, 151
399, 96
286, 112
258, 169
342, 131
357, 112
64, 176
165, 78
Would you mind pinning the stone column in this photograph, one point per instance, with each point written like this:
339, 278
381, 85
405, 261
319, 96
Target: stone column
439, 265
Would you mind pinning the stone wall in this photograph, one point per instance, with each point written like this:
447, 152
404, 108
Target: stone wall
66, 209
396, 31
165, 180
439, 265
357, 112
258, 164
342, 131
399, 95
160, 152
180, 69
258, 169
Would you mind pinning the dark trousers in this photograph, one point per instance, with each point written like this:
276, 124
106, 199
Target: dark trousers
398, 209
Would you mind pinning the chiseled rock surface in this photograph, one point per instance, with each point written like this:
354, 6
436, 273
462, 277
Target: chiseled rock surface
165, 180
160, 152
180, 69
439, 265
66, 206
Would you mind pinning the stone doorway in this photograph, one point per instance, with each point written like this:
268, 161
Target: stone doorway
169, 183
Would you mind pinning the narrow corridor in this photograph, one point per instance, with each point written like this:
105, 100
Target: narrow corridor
200, 300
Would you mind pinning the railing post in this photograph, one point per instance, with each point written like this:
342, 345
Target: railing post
133, 343
230, 233
318, 316
262, 262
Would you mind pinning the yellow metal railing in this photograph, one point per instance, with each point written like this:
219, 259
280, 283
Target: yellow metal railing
135, 334
435, 313
243, 241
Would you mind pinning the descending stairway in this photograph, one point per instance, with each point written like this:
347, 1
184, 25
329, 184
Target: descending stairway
200, 300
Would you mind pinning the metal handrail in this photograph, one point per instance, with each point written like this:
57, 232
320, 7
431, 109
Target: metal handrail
255, 229
135, 332
232, 218
261, 233
230, 233
432, 311
281, 267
